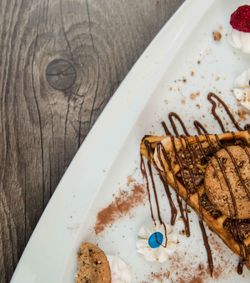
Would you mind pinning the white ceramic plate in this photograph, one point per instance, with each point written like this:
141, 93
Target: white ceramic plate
110, 154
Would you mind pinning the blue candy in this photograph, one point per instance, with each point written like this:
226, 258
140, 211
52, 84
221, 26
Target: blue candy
155, 240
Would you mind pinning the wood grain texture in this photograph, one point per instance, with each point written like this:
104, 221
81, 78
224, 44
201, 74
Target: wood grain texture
60, 62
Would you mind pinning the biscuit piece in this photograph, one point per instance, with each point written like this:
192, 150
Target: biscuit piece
93, 265
228, 184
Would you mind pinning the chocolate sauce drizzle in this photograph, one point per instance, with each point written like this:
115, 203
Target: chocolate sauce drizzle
180, 162
183, 211
240, 266
171, 203
236, 167
144, 173
145, 176
211, 97
171, 117
234, 214
199, 127
215, 101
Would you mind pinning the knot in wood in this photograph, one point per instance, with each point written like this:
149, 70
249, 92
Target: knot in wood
61, 74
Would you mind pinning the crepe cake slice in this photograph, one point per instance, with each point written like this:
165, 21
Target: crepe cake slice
212, 174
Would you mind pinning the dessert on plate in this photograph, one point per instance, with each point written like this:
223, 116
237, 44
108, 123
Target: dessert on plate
212, 174
208, 172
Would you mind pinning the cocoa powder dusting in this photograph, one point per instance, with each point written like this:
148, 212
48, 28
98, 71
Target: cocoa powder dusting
159, 276
130, 180
189, 277
187, 271
222, 261
196, 279
121, 206
190, 273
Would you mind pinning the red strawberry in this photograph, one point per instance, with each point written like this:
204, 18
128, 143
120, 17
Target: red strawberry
240, 19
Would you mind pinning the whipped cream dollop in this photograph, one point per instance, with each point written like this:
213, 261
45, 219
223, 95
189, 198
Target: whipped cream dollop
120, 272
240, 23
152, 243
240, 40
242, 89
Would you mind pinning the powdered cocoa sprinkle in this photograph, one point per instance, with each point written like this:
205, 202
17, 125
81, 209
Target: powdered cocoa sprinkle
187, 272
159, 276
189, 278
196, 279
130, 180
121, 206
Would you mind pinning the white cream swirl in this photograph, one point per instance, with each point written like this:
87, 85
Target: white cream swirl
242, 89
120, 272
240, 40
159, 253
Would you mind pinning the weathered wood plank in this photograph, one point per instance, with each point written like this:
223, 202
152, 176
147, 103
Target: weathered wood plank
60, 62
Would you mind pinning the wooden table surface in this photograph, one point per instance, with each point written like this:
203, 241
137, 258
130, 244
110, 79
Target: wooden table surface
60, 62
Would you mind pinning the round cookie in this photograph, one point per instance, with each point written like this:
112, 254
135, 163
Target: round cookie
217, 188
93, 265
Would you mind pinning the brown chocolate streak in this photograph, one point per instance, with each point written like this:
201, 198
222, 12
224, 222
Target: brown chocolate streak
166, 187
145, 176
171, 203
207, 246
235, 212
203, 230
191, 152
190, 149
154, 188
172, 115
235, 228
184, 213
155, 194
230, 189
237, 171
240, 266
204, 235
200, 128
216, 116
167, 132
